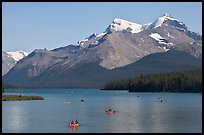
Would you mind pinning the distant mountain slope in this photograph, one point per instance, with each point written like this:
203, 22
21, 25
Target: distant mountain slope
172, 60
9, 59
92, 75
123, 49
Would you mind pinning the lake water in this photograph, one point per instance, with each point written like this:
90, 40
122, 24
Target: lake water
178, 113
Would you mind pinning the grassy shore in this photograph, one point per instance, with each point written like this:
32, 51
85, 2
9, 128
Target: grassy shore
20, 98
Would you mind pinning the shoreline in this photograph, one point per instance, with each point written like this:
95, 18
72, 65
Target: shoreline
20, 98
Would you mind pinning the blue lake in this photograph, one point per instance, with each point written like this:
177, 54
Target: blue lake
178, 113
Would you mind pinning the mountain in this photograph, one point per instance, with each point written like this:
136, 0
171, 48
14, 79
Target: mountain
9, 59
111, 54
91, 74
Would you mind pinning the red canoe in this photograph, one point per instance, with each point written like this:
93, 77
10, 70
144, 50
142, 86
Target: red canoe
73, 125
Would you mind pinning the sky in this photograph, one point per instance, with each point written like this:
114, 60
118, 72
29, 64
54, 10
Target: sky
37, 25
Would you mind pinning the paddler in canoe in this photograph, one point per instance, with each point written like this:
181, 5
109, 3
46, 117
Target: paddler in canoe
110, 111
74, 124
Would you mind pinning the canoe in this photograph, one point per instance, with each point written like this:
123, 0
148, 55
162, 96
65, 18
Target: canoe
73, 125
67, 102
110, 112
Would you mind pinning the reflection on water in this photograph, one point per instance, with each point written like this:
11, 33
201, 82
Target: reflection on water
18, 120
72, 129
135, 112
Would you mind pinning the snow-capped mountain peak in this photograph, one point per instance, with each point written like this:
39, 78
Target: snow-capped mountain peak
9, 59
162, 19
168, 17
17, 55
119, 24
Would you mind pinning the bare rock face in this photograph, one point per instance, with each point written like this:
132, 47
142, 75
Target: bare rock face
121, 44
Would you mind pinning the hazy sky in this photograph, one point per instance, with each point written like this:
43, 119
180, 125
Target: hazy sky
29, 26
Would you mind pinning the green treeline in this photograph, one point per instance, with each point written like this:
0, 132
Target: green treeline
186, 81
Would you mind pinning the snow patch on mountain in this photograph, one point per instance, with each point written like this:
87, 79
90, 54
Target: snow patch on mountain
181, 29
81, 42
169, 35
124, 25
165, 48
17, 55
167, 45
94, 35
146, 26
156, 36
102, 34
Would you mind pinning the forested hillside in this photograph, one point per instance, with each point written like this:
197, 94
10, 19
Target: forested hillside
186, 81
